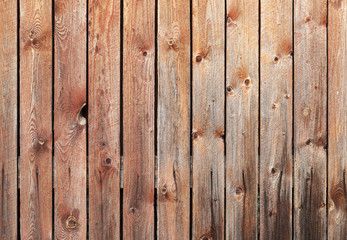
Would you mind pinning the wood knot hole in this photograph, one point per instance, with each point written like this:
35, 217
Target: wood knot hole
198, 58
238, 191
164, 190
247, 82
273, 170
144, 53
170, 42
108, 160
276, 59
229, 20
83, 115
71, 222
41, 141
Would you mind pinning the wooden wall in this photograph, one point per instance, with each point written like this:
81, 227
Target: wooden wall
173, 119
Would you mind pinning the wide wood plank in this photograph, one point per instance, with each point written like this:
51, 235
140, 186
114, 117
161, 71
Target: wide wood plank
70, 220
36, 119
8, 119
337, 98
276, 119
104, 119
138, 118
173, 119
310, 109
242, 119
208, 119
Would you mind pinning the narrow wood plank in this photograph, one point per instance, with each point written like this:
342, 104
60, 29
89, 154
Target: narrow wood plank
174, 119
70, 119
242, 119
36, 119
276, 119
104, 119
310, 109
337, 98
208, 119
138, 110
8, 119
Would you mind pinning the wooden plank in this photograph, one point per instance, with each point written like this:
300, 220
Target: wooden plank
337, 98
242, 119
208, 119
310, 128
174, 119
276, 119
70, 220
104, 119
36, 119
138, 118
8, 119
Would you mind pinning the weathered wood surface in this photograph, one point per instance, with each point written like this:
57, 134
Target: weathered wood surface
242, 96
276, 119
208, 85
138, 118
70, 219
310, 128
173, 119
104, 119
337, 98
8, 119
36, 119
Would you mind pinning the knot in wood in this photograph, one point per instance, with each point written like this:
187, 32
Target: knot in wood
41, 141
198, 58
71, 222
247, 82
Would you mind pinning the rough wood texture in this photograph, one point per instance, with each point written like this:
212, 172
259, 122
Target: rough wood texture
138, 137
104, 119
242, 119
276, 120
173, 119
337, 98
310, 109
8, 119
208, 119
70, 119
36, 119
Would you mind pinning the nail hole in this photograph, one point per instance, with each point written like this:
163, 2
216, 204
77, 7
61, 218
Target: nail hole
198, 58
83, 115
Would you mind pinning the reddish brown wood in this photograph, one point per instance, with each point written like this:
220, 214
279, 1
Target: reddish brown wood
138, 110
242, 76
70, 120
276, 87
208, 119
36, 119
8, 119
104, 119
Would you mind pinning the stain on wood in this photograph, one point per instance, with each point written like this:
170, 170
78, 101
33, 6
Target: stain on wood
173, 119
208, 117
242, 75
104, 119
337, 100
276, 86
36, 119
138, 118
70, 119
8, 119
310, 119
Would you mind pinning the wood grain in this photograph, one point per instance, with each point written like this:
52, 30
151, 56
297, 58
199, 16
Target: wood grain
242, 119
70, 220
276, 119
310, 127
208, 119
36, 119
8, 119
104, 119
173, 119
138, 118
337, 98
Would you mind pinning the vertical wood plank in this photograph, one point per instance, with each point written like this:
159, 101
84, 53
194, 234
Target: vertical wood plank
276, 119
104, 119
36, 119
70, 119
242, 119
138, 124
208, 119
310, 109
8, 119
174, 119
337, 98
